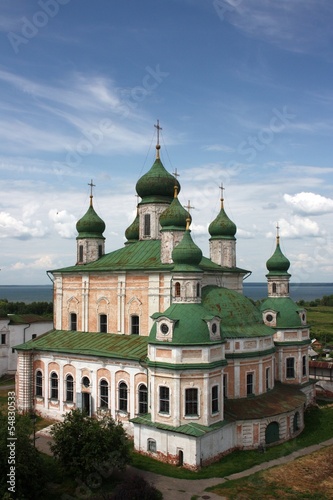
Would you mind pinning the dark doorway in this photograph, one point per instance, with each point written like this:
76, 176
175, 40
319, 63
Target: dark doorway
180, 458
272, 433
86, 403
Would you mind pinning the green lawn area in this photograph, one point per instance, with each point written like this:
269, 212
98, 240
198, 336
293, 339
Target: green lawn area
320, 319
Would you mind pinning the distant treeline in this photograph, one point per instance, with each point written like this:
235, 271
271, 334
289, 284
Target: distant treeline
326, 300
41, 308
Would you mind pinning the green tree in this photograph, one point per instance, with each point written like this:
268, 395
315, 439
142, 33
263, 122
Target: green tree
84, 445
27, 473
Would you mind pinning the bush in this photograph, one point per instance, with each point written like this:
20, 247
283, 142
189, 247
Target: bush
83, 445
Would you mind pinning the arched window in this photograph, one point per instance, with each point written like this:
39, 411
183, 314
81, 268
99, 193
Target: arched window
146, 228
104, 394
73, 321
123, 396
80, 253
69, 389
177, 289
100, 251
198, 289
54, 386
39, 383
85, 382
143, 399
103, 323
151, 445
274, 287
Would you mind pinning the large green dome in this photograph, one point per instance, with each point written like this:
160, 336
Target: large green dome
90, 225
278, 264
175, 216
222, 227
239, 316
186, 255
157, 185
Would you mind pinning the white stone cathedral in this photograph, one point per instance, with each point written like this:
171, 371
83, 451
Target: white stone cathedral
162, 338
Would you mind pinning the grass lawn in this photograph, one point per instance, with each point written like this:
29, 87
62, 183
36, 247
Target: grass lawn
320, 319
318, 428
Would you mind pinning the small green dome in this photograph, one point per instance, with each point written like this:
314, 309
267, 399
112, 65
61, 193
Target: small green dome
174, 216
157, 185
287, 311
186, 255
90, 225
278, 264
132, 232
222, 227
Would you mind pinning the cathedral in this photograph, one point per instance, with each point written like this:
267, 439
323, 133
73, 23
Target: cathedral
162, 338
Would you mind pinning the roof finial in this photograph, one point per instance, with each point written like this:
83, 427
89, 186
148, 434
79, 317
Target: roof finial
277, 233
158, 147
188, 220
222, 199
175, 187
91, 184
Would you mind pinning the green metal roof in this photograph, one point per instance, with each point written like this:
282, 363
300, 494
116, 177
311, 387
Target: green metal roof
142, 255
278, 264
287, 311
283, 398
222, 227
90, 225
190, 325
107, 345
190, 429
239, 316
28, 318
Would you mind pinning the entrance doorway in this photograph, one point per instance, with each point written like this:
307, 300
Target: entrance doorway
86, 405
180, 458
272, 433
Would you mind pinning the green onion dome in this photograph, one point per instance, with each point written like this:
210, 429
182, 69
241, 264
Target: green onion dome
278, 264
186, 255
222, 226
132, 232
90, 225
157, 185
175, 216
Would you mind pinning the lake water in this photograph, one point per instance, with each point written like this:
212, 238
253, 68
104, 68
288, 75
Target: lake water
255, 291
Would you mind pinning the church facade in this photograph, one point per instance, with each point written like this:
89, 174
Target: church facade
162, 338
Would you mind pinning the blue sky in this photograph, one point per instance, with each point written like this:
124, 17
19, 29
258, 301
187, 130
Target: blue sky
243, 92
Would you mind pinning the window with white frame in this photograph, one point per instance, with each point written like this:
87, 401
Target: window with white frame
39, 383
249, 384
164, 399
215, 399
73, 321
304, 366
122, 403
151, 445
191, 402
69, 389
54, 386
143, 399
135, 324
103, 394
290, 367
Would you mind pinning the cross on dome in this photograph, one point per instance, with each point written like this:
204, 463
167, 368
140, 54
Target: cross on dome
158, 147
91, 184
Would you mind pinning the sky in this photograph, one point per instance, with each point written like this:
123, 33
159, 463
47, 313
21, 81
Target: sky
242, 90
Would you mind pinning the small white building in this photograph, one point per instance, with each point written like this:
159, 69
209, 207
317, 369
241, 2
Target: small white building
16, 329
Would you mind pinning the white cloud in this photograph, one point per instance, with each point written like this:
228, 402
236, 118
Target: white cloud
298, 227
64, 223
44, 262
309, 203
12, 227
